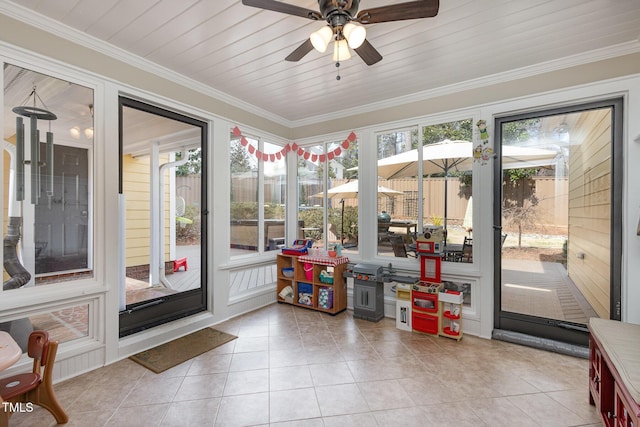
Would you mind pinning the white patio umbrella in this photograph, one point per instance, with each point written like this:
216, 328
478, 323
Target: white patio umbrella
349, 190
445, 156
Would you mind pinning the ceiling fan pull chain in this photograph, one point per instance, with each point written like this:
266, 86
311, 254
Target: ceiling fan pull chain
338, 67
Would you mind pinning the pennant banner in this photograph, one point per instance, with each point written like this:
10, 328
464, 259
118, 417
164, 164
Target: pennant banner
300, 151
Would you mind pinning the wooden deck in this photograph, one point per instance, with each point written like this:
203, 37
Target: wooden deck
542, 289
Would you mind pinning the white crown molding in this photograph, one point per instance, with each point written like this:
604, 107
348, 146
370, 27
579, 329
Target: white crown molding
27, 16
518, 73
44, 23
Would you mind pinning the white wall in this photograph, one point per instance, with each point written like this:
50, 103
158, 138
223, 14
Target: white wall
28, 45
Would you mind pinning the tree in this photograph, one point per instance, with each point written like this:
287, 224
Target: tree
239, 159
193, 165
456, 130
519, 200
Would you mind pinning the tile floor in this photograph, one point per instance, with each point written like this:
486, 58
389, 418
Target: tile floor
296, 367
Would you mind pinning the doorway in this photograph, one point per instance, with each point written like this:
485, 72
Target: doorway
163, 208
557, 222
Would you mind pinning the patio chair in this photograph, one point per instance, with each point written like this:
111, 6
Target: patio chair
34, 387
467, 250
399, 247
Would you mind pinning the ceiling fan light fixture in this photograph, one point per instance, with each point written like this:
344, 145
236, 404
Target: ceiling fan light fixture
75, 132
320, 39
341, 50
355, 34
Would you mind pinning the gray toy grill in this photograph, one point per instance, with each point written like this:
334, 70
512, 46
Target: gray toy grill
368, 292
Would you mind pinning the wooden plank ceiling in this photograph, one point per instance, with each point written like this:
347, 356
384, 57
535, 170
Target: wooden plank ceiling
240, 50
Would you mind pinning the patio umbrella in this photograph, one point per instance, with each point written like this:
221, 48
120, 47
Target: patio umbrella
349, 190
445, 156
448, 155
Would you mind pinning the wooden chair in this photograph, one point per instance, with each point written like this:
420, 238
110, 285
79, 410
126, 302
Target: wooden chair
399, 247
34, 387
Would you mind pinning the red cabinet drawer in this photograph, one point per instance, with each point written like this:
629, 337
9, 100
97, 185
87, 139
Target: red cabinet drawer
424, 323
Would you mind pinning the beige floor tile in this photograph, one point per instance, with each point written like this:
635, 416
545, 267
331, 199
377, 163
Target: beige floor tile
244, 410
249, 361
153, 390
201, 387
296, 367
135, 416
340, 400
331, 374
386, 394
356, 420
545, 411
247, 382
500, 412
289, 378
287, 405
201, 412
210, 363
249, 344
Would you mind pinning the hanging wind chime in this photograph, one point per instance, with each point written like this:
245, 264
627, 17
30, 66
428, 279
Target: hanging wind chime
36, 162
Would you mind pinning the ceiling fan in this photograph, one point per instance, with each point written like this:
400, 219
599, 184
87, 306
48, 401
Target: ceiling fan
341, 17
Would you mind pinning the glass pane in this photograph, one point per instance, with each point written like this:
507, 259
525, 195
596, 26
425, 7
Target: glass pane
275, 186
244, 197
397, 193
48, 129
311, 187
556, 219
447, 160
63, 325
343, 197
161, 182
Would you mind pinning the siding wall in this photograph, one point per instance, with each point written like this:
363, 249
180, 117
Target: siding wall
590, 213
136, 189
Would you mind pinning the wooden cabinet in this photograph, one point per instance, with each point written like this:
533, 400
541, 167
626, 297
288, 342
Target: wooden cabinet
613, 372
316, 282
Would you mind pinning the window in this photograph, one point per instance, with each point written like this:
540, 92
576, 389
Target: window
258, 195
329, 217
424, 184
48, 209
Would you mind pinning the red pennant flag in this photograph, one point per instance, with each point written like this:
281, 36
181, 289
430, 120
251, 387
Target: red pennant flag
314, 158
307, 155
265, 157
251, 149
345, 144
300, 151
244, 141
351, 137
272, 157
330, 156
287, 148
294, 146
258, 154
337, 151
323, 157
279, 155
236, 131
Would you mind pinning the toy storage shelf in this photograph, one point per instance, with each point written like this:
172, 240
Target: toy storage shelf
451, 314
314, 291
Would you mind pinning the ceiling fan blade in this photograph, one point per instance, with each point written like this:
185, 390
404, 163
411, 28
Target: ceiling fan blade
399, 12
281, 7
368, 53
300, 51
